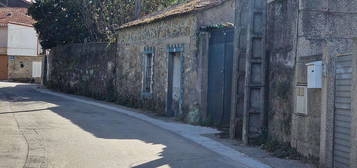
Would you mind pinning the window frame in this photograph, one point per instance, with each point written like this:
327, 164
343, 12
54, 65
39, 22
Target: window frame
149, 53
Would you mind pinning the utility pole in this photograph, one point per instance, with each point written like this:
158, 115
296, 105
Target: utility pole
239, 54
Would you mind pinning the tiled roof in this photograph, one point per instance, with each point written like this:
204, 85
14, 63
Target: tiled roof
15, 3
191, 6
15, 15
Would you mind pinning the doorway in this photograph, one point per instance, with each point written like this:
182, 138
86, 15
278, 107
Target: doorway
174, 92
342, 113
3, 67
220, 68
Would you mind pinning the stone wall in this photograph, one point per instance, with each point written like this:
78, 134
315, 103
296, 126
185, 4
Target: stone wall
178, 30
298, 33
281, 45
93, 69
182, 30
20, 68
84, 69
322, 24
217, 15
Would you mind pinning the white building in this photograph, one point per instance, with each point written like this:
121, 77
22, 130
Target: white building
20, 51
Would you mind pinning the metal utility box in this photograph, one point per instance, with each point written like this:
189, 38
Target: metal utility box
314, 75
301, 100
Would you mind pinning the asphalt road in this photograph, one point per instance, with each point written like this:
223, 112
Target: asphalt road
38, 130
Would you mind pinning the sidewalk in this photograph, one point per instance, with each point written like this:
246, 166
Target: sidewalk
251, 157
261, 155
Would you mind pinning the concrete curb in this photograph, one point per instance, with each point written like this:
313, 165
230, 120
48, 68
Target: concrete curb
193, 133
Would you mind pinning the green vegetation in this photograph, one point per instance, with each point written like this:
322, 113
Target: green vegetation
62, 22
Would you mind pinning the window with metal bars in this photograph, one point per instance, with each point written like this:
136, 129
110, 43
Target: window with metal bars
148, 73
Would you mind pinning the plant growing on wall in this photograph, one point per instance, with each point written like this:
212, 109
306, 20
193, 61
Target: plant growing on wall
62, 22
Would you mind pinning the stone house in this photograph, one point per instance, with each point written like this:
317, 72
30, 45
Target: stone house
186, 62
20, 51
163, 60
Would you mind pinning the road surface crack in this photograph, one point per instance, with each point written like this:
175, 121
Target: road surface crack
36, 149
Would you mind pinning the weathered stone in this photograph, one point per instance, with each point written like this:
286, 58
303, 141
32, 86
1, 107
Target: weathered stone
298, 31
182, 30
94, 70
313, 24
342, 6
85, 69
281, 30
20, 68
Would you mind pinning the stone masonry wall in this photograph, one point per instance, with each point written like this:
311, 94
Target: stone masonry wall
117, 72
84, 69
298, 33
281, 44
131, 43
20, 68
322, 24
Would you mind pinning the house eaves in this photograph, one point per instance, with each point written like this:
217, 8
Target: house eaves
2, 4
15, 15
185, 8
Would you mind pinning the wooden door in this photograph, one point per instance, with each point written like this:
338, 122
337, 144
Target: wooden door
343, 113
174, 84
3, 67
220, 76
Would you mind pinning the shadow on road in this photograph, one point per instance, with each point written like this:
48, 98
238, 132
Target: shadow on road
106, 124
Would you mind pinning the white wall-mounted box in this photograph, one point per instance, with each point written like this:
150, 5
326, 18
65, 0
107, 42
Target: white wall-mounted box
314, 75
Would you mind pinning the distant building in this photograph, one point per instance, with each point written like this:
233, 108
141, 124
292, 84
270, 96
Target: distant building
19, 46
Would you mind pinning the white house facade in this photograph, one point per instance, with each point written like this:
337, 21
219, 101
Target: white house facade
20, 51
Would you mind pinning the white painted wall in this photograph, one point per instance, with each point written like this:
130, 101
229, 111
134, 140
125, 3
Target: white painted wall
3, 39
22, 40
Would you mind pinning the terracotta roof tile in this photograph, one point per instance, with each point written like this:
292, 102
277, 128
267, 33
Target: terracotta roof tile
191, 6
15, 3
15, 15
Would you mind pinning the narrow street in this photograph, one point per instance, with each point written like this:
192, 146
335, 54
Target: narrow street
39, 131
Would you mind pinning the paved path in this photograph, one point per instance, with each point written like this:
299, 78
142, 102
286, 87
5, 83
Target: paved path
38, 130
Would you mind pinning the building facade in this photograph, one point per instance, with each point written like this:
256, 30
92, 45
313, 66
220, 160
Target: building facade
163, 62
19, 46
306, 107
173, 62
285, 71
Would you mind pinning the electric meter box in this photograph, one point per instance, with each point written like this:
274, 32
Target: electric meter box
314, 75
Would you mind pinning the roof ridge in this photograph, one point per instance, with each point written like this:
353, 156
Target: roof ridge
18, 15
183, 8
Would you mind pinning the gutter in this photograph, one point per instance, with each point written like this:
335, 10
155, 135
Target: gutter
20, 24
